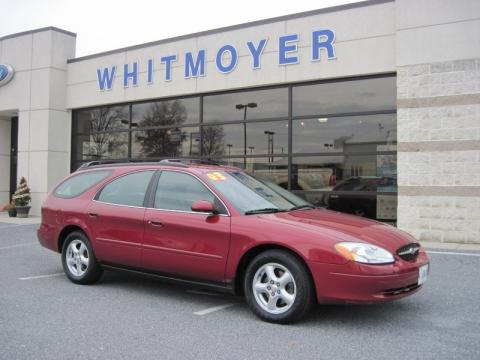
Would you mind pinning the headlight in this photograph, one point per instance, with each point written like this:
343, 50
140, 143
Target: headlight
364, 253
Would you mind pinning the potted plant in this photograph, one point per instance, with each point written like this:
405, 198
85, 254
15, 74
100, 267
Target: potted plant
21, 198
10, 208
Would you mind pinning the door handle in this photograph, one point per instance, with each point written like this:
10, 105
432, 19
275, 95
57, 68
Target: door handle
92, 215
155, 223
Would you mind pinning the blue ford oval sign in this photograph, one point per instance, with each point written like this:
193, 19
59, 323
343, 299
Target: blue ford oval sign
6, 74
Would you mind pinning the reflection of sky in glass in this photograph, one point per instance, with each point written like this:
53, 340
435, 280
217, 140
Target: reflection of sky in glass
191, 105
345, 97
314, 135
257, 140
270, 104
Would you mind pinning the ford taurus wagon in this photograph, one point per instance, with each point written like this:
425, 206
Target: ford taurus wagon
219, 227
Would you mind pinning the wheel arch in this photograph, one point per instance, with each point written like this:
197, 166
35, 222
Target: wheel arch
67, 230
252, 253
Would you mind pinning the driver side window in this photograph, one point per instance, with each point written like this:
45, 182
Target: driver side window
178, 191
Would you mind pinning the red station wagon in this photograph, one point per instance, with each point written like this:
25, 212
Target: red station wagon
217, 226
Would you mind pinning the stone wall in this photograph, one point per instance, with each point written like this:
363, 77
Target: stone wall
439, 150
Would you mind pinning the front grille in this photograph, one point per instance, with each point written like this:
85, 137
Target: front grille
402, 290
409, 252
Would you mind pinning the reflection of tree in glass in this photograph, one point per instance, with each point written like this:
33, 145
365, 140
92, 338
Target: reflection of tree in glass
163, 142
213, 143
102, 120
164, 113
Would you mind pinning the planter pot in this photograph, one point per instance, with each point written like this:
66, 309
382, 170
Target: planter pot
12, 212
22, 211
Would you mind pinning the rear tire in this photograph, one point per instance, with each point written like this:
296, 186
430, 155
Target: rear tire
79, 261
278, 287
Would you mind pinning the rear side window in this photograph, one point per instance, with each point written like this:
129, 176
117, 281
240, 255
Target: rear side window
127, 190
78, 184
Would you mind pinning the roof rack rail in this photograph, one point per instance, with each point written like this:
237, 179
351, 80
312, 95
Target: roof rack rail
181, 162
98, 162
187, 161
108, 162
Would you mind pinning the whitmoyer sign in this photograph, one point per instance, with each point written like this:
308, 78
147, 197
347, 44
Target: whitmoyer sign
226, 59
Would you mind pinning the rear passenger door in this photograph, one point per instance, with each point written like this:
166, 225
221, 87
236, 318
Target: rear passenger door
180, 241
116, 217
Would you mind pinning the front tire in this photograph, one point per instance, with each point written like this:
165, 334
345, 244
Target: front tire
278, 288
79, 261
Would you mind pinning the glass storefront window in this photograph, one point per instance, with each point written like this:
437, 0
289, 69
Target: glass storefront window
326, 173
342, 149
166, 142
262, 138
344, 97
344, 134
101, 119
101, 146
349, 183
274, 169
259, 104
166, 113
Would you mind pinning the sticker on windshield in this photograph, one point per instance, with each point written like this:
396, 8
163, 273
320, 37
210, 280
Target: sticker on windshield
216, 176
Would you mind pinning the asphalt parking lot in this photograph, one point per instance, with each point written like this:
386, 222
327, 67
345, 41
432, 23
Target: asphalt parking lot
45, 316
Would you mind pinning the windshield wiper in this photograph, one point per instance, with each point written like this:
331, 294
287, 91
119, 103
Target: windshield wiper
262, 211
298, 207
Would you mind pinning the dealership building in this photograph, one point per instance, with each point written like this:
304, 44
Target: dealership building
371, 108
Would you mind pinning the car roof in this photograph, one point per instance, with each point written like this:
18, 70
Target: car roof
197, 164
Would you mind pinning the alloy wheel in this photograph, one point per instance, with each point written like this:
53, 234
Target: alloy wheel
77, 258
274, 288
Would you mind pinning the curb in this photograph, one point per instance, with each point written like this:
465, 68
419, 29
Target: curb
31, 220
450, 246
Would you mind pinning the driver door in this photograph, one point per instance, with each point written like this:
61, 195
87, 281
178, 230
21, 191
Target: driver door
182, 242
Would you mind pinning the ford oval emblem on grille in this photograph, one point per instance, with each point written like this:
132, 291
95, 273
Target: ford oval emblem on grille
6, 73
412, 250
409, 252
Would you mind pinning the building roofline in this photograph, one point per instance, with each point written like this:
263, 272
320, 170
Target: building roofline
234, 27
48, 28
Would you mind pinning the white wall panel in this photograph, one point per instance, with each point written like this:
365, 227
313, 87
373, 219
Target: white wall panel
361, 49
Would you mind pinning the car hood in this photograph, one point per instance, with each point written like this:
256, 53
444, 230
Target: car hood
343, 227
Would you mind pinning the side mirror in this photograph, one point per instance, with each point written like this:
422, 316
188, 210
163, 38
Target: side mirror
204, 206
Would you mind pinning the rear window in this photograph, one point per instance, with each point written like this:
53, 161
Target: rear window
80, 183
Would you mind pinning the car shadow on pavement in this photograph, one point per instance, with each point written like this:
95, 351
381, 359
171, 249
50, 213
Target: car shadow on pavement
349, 315
359, 315
160, 287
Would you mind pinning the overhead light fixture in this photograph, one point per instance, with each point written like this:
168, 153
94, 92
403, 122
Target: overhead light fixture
322, 120
302, 123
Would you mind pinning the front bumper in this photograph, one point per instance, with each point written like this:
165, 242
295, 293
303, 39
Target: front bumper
361, 283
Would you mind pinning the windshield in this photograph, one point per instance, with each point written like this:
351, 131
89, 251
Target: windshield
252, 195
